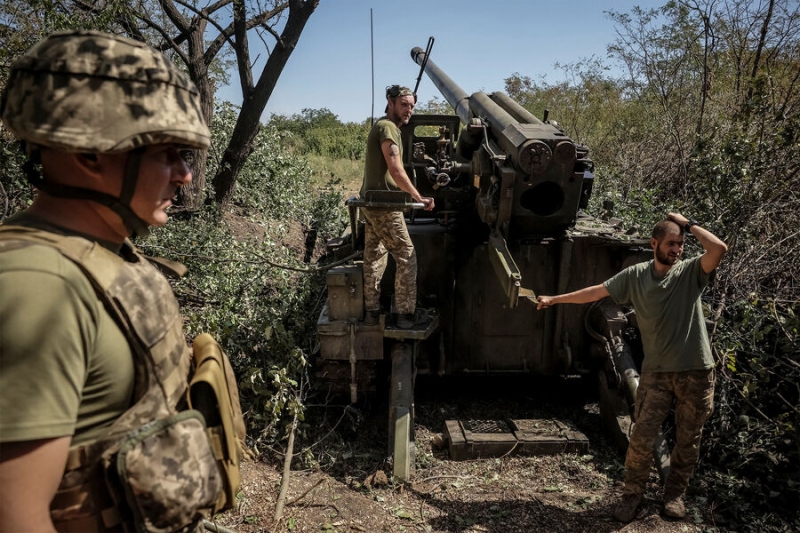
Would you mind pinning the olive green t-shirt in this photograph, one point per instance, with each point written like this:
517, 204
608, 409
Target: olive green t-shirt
65, 367
376, 171
669, 314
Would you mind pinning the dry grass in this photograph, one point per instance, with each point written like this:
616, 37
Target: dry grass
326, 170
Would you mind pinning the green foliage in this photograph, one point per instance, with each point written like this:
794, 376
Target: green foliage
319, 132
755, 433
434, 106
706, 122
344, 173
15, 193
264, 316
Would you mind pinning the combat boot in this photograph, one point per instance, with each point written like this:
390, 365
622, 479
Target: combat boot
674, 506
372, 317
627, 506
418, 318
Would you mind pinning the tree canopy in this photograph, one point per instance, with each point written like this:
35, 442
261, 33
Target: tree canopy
206, 41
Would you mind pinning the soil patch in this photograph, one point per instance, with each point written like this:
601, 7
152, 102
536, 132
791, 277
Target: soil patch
346, 491
299, 240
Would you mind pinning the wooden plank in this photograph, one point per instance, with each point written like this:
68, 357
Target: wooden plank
456, 441
425, 330
549, 437
525, 437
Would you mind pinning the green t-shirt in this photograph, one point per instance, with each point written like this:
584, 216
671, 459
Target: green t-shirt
376, 171
669, 314
65, 366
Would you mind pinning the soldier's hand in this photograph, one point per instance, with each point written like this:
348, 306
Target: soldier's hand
428, 201
678, 219
544, 302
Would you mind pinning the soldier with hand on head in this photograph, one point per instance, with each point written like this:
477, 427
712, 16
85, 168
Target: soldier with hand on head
678, 368
386, 231
95, 430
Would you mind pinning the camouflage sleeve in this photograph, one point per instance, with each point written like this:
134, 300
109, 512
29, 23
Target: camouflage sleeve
44, 332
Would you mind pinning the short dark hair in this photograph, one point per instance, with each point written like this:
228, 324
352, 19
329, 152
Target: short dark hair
661, 229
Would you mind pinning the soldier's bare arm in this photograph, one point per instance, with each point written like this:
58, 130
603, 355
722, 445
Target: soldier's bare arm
30, 473
714, 248
583, 296
392, 155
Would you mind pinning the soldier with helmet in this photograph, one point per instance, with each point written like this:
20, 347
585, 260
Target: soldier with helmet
95, 434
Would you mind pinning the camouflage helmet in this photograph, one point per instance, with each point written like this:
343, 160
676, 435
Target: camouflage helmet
92, 92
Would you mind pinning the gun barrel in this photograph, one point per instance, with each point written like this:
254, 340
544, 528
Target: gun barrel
455, 95
521, 114
466, 107
534, 162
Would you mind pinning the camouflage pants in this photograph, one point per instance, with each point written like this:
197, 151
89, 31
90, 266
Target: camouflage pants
692, 394
386, 233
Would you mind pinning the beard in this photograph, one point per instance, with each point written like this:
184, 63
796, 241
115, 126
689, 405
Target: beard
665, 259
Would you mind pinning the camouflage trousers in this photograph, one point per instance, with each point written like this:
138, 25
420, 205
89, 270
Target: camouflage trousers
692, 394
386, 233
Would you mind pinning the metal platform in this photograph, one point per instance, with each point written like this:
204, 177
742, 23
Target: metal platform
419, 333
480, 439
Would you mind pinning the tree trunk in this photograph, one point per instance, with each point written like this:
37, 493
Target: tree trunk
757, 61
249, 121
192, 195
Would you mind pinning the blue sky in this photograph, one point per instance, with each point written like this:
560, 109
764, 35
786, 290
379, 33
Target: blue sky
478, 43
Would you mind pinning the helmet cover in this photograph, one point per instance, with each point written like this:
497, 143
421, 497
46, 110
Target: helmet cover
92, 92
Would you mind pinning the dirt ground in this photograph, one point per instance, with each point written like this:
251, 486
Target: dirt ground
341, 479
344, 484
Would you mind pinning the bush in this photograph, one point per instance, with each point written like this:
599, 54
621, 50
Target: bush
15, 192
257, 297
754, 437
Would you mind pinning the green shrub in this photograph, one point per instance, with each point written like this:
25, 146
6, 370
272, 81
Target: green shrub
256, 296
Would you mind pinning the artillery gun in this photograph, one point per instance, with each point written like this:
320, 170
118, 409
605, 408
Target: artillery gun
509, 222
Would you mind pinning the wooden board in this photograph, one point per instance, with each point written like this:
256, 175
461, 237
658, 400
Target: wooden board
476, 439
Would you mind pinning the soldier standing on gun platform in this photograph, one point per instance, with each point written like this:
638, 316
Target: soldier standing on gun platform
92, 348
386, 230
678, 367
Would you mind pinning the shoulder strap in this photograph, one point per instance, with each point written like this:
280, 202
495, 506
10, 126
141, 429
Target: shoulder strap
101, 266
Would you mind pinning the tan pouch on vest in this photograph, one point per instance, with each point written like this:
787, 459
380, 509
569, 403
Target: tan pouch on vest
168, 471
213, 392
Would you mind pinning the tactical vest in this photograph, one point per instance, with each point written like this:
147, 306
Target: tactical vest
156, 468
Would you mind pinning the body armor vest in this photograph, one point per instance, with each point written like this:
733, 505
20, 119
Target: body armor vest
153, 469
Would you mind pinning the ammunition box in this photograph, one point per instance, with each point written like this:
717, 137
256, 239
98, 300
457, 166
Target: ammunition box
345, 292
337, 338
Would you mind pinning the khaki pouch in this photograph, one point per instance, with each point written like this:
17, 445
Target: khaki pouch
213, 392
169, 473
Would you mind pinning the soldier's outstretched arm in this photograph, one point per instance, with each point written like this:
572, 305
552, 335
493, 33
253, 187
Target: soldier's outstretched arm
30, 473
583, 296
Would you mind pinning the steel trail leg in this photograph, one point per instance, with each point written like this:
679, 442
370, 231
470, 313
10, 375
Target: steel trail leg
618, 384
661, 456
401, 410
617, 418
